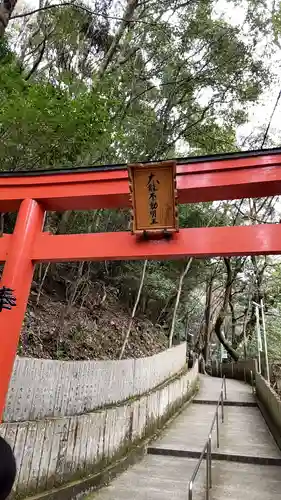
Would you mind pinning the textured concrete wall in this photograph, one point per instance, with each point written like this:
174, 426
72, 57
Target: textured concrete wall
239, 371
45, 388
54, 451
270, 401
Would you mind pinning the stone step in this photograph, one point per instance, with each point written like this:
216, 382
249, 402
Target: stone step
160, 478
243, 433
247, 404
239, 466
216, 455
236, 391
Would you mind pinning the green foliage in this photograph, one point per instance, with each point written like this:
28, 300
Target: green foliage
43, 125
167, 81
273, 332
6, 55
158, 285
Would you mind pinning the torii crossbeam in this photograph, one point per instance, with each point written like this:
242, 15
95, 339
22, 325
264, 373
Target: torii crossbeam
200, 179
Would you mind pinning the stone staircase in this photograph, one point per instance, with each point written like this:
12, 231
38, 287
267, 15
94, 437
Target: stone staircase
247, 463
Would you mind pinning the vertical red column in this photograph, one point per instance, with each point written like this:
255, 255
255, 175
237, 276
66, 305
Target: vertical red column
17, 274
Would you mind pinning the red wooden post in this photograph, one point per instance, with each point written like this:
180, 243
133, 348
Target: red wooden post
17, 274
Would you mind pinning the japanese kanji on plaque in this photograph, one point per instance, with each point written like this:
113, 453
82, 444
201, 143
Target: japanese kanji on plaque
153, 196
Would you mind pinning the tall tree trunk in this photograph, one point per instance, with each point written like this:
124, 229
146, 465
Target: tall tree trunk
259, 272
207, 326
233, 319
128, 15
182, 276
6, 9
218, 325
134, 310
223, 311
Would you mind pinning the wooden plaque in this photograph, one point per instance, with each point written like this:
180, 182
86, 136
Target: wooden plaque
153, 197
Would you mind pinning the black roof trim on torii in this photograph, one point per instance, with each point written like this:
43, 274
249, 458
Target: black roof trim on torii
123, 166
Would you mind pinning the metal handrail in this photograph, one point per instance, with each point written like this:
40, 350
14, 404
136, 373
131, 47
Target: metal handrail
207, 449
252, 382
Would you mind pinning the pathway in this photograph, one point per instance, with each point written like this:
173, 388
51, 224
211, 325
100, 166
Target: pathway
247, 462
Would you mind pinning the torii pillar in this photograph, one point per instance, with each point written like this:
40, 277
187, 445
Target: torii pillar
18, 275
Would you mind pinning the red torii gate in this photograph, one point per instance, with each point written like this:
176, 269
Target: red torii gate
218, 177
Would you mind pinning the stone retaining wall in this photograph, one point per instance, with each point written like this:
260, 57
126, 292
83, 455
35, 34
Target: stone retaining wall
54, 451
42, 388
270, 406
239, 371
267, 399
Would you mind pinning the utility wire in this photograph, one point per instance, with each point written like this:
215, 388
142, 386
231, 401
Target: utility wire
270, 120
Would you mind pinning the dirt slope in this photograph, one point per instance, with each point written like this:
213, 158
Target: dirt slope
53, 332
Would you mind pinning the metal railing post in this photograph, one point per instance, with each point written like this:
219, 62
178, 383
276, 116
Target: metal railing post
210, 461
207, 472
190, 490
252, 382
207, 449
218, 431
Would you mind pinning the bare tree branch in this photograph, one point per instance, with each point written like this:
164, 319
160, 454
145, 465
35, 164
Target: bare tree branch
81, 7
134, 310
38, 60
181, 280
128, 15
